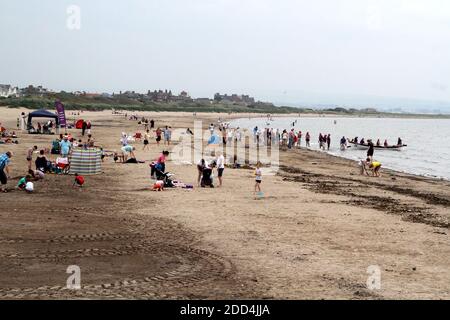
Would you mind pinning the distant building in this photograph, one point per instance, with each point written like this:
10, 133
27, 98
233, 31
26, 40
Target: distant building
91, 95
234, 98
7, 90
203, 100
167, 96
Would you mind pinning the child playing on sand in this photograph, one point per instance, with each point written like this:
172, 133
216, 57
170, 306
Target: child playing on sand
79, 181
363, 167
23, 182
258, 179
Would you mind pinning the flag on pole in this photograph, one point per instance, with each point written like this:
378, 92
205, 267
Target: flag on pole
61, 114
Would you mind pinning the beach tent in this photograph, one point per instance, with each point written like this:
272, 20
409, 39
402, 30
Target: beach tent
214, 139
79, 124
85, 162
42, 114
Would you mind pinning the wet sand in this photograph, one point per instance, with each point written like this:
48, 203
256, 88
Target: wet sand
313, 236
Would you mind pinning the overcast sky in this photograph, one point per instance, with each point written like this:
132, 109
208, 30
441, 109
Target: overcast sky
278, 50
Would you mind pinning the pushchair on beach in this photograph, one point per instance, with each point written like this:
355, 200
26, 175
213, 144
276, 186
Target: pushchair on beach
207, 180
157, 173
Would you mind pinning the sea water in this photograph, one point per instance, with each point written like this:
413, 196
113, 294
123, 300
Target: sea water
427, 153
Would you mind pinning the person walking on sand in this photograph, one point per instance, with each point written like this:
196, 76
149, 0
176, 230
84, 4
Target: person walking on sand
167, 135
146, 140
220, 167
258, 179
83, 128
5, 160
158, 135
88, 127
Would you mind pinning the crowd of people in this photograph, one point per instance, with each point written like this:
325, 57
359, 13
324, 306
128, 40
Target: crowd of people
62, 147
42, 128
210, 172
7, 136
365, 142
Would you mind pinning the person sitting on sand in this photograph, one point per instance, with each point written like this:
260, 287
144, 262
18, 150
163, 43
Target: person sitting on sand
117, 157
21, 185
90, 141
36, 174
162, 160
42, 162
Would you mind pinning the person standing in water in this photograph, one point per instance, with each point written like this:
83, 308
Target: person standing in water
371, 150
328, 141
343, 143
308, 139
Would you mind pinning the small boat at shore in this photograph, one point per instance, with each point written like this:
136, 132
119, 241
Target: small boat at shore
366, 146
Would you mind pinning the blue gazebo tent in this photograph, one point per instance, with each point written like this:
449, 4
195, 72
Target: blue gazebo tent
42, 113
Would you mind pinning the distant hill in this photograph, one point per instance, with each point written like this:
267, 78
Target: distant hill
118, 102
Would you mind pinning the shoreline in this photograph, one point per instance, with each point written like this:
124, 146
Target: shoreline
426, 176
300, 114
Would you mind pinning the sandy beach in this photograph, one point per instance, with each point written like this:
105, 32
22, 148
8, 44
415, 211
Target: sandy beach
314, 235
